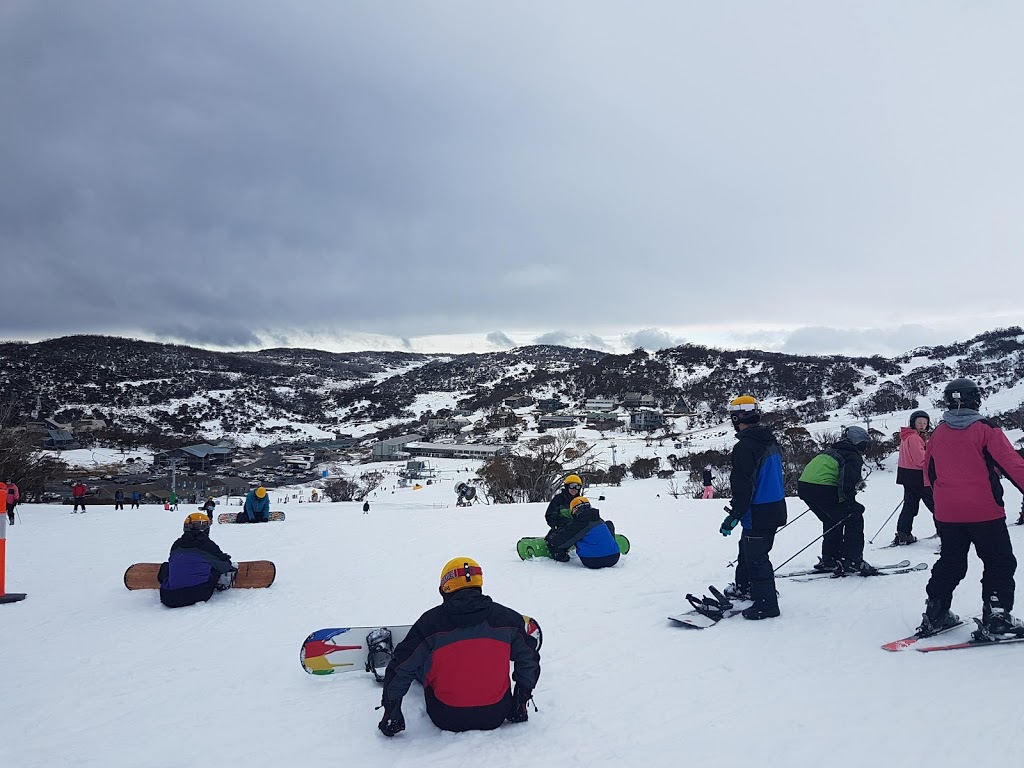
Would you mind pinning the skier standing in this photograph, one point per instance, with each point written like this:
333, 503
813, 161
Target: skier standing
593, 537
460, 651
706, 477
962, 462
195, 567
136, 500
759, 503
558, 514
13, 497
118, 499
910, 474
78, 496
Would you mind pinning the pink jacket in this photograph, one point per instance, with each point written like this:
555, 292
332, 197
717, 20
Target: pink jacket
12, 492
962, 462
911, 449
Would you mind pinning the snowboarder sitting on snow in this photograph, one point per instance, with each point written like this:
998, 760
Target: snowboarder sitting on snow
593, 537
195, 567
910, 474
257, 507
558, 513
460, 652
828, 486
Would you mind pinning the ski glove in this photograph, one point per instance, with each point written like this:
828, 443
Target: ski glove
393, 722
729, 523
520, 699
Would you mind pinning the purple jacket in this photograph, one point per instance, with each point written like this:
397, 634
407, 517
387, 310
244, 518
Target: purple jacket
194, 560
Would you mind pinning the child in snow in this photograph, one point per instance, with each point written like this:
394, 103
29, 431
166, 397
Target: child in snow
593, 537
195, 567
910, 474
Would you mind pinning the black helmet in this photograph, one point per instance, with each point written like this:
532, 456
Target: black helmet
858, 436
919, 415
962, 393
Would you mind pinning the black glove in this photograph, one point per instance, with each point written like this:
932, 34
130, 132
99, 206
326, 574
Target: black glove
393, 722
520, 699
729, 523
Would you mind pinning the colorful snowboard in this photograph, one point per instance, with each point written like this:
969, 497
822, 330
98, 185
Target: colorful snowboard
231, 517
344, 649
533, 546
252, 574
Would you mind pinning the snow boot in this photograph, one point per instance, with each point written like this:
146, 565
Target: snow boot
996, 621
825, 565
903, 539
380, 652
761, 610
935, 619
736, 592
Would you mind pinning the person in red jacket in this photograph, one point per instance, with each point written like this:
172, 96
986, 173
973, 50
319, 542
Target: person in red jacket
962, 465
460, 651
78, 496
910, 474
13, 496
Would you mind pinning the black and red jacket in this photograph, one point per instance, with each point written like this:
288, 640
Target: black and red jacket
460, 651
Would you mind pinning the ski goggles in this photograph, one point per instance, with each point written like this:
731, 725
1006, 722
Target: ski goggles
574, 486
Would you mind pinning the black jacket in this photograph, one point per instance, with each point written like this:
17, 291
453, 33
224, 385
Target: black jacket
706, 477
558, 513
758, 489
576, 529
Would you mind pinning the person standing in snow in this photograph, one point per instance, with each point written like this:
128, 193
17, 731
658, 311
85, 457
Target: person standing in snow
910, 474
828, 485
460, 652
172, 501
256, 508
558, 514
13, 497
78, 496
136, 500
706, 477
366, 507
759, 503
962, 463
196, 566
593, 537
118, 499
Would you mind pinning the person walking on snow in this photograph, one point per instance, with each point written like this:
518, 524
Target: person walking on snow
460, 652
558, 514
962, 464
593, 537
706, 477
910, 474
759, 503
828, 485
13, 497
256, 508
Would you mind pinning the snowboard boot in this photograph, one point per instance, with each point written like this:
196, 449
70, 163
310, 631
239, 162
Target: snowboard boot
903, 539
761, 610
935, 619
380, 652
736, 592
826, 565
996, 622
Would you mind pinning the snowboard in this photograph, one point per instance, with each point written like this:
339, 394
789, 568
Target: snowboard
344, 649
231, 517
252, 574
708, 611
535, 546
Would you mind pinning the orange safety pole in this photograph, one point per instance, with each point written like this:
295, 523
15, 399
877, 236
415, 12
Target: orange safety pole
5, 597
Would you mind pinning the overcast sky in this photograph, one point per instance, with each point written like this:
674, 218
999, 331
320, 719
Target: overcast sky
807, 176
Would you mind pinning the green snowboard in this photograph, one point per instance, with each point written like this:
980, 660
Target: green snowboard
535, 546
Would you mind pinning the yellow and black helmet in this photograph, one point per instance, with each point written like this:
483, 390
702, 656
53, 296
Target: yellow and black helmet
744, 410
197, 521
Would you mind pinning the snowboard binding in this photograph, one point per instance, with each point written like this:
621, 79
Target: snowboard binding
712, 607
380, 652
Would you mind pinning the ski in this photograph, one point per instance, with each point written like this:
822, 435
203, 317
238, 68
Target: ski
883, 571
893, 546
812, 572
972, 643
905, 642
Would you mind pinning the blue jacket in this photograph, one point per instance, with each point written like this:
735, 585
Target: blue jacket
256, 508
758, 488
194, 560
588, 532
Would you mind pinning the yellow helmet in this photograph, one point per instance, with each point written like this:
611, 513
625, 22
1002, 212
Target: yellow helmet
573, 479
461, 572
744, 410
197, 521
261, 492
576, 504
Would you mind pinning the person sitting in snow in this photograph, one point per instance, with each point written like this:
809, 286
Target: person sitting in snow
460, 652
593, 537
196, 566
256, 508
558, 514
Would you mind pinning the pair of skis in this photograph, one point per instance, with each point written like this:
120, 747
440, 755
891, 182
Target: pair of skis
911, 642
810, 574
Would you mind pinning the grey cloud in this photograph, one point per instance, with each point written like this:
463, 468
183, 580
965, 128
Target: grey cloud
884, 341
651, 339
566, 339
499, 339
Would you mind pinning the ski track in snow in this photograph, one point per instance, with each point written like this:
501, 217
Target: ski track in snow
95, 675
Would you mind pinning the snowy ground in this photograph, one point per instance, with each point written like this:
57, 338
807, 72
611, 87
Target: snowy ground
94, 675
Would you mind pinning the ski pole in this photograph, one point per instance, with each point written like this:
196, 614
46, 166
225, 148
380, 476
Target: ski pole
872, 539
817, 539
731, 564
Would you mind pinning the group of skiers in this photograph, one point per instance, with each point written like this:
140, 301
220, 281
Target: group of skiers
955, 471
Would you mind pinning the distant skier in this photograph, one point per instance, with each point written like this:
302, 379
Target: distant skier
209, 506
910, 474
961, 465
13, 497
366, 507
196, 566
136, 500
759, 502
558, 514
593, 537
172, 501
118, 499
708, 479
828, 486
460, 651
256, 508
78, 496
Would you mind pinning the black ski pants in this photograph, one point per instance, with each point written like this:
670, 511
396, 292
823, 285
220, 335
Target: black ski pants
991, 541
913, 495
753, 567
842, 522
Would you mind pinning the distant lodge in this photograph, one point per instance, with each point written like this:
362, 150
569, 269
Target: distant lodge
197, 457
413, 445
